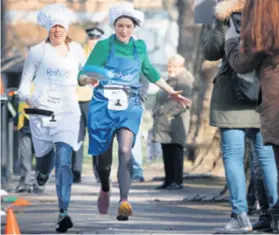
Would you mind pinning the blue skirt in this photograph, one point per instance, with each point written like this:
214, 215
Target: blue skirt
103, 122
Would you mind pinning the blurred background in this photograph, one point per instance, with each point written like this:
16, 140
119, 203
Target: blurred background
169, 28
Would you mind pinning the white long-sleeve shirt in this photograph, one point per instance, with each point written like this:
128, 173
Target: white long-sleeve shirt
34, 60
55, 90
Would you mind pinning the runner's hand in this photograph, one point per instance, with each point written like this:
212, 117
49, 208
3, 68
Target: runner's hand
86, 80
94, 83
183, 101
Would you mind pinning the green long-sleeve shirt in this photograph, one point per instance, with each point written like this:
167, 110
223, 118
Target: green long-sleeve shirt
101, 51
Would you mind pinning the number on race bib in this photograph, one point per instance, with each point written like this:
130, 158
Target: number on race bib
117, 99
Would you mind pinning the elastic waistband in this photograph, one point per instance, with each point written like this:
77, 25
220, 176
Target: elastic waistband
131, 92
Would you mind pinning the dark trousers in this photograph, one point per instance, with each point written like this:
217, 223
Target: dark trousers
77, 158
276, 155
78, 155
25, 157
173, 156
256, 189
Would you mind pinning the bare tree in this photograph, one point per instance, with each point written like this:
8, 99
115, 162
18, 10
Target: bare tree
203, 140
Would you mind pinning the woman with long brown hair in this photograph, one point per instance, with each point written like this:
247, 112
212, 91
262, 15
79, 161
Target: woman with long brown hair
259, 51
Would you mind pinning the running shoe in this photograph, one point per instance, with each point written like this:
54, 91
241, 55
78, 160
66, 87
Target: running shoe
124, 210
103, 202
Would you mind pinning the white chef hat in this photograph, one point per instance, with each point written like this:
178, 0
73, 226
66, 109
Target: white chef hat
55, 14
125, 9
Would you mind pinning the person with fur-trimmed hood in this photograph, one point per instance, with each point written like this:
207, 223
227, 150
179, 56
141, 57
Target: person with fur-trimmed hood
233, 110
259, 51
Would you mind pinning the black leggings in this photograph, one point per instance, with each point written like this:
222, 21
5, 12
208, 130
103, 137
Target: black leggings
173, 156
125, 140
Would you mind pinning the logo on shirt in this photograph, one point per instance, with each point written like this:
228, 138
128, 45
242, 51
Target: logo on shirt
62, 73
124, 77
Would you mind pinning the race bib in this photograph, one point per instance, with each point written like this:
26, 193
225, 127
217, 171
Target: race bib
48, 121
117, 99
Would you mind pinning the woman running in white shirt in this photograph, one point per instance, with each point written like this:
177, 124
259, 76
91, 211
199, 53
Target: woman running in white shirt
54, 63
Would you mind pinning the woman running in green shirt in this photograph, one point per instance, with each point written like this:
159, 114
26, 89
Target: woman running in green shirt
116, 109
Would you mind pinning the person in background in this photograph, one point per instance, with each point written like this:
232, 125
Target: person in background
94, 34
25, 147
153, 149
234, 113
137, 149
137, 175
26, 151
84, 97
171, 123
252, 197
258, 198
256, 49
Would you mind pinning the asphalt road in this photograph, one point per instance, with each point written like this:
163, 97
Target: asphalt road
155, 211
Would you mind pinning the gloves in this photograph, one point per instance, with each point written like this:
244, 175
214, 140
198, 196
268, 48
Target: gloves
217, 25
231, 32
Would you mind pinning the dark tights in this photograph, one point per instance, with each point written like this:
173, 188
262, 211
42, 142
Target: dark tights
125, 140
